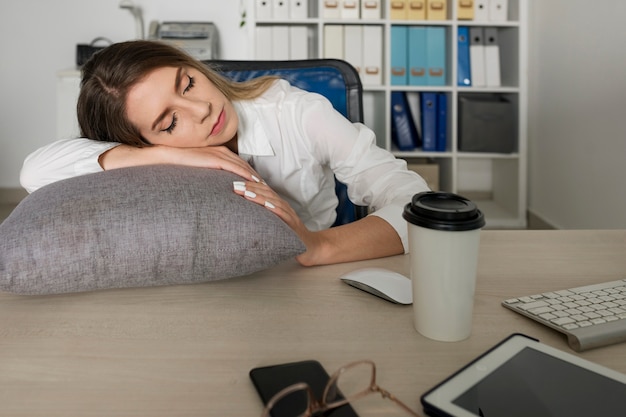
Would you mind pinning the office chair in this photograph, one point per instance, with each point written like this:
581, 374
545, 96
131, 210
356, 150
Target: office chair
335, 79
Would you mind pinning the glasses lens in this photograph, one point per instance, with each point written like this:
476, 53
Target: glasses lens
352, 381
292, 404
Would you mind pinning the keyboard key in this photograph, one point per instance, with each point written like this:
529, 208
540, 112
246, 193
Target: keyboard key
560, 321
548, 316
550, 295
534, 304
540, 310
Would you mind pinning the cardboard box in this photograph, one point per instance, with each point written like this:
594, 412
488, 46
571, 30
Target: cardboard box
430, 173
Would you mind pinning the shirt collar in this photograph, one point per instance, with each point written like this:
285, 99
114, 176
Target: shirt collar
252, 138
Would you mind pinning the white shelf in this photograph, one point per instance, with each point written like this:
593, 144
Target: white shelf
500, 177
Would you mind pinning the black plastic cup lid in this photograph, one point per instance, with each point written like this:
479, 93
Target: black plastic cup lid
443, 211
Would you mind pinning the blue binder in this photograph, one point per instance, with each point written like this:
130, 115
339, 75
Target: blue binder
442, 122
417, 55
464, 75
436, 55
399, 52
429, 121
403, 131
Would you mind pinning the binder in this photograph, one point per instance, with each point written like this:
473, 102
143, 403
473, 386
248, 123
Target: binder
280, 9
280, 43
353, 46
370, 9
436, 55
492, 57
330, 9
398, 10
481, 10
333, 41
416, 10
464, 75
403, 132
428, 113
436, 10
298, 42
399, 52
477, 57
417, 55
498, 10
372, 55
465, 9
263, 43
264, 9
413, 98
442, 122
298, 9
350, 9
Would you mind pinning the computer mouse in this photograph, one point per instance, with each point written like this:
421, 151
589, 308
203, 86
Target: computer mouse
386, 284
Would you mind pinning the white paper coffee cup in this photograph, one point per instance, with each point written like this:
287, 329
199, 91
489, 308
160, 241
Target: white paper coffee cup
444, 238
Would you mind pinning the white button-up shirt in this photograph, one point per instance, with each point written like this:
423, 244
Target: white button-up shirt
297, 142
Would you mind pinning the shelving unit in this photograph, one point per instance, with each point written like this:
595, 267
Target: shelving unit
495, 181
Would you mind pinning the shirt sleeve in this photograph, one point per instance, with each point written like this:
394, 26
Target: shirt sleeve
62, 159
374, 176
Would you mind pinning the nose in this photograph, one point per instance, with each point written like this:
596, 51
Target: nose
199, 110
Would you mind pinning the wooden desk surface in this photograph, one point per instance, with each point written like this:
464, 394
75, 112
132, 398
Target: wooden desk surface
187, 350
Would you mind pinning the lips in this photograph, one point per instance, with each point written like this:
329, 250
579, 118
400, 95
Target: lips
219, 124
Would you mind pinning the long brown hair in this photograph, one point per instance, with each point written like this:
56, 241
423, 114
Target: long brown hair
109, 75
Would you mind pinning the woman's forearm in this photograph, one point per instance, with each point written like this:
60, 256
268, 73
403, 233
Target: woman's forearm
74, 157
60, 160
368, 238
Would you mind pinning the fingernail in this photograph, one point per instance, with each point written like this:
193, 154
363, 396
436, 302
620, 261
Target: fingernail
256, 179
239, 185
269, 205
249, 194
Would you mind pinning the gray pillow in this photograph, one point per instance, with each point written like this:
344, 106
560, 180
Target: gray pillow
134, 227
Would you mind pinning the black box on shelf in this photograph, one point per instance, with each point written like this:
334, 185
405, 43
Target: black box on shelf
487, 123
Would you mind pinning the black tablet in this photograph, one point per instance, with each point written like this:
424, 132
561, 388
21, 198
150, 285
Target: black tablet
521, 377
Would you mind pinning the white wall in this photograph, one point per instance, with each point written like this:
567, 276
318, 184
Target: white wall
577, 113
39, 37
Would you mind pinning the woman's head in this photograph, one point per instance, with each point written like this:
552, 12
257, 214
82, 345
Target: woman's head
143, 92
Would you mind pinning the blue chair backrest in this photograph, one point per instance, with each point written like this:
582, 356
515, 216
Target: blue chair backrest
335, 79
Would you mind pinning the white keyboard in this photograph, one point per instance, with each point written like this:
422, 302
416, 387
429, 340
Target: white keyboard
590, 316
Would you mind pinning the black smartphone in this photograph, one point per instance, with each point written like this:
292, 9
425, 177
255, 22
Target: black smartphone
268, 380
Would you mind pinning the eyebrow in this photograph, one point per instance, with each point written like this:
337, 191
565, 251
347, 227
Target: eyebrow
177, 81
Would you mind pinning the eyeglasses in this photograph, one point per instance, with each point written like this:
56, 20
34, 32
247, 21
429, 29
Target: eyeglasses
347, 384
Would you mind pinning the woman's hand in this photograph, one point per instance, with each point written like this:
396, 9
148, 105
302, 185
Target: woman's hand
215, 157
368, 238
261, 193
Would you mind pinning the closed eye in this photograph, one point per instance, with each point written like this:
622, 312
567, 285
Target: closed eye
172, 125
190, 85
